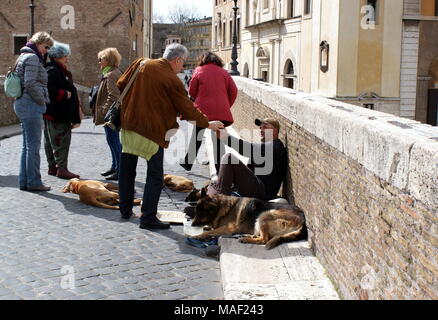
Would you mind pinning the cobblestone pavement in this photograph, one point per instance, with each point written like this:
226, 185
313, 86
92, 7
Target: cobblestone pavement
45, 236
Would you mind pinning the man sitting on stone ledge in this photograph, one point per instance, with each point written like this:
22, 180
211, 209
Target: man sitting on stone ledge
266, 168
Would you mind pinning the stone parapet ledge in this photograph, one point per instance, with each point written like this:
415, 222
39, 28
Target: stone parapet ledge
401, 151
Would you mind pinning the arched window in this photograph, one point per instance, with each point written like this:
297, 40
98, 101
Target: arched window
289, 75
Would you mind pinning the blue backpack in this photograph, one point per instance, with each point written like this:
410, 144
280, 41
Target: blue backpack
13, 83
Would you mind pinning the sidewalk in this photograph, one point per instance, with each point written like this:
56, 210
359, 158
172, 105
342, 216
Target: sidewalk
288, 272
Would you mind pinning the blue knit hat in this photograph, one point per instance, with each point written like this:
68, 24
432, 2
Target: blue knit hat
59, 50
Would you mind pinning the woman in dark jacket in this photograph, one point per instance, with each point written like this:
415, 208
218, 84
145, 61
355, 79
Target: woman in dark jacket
62, 112
30, 108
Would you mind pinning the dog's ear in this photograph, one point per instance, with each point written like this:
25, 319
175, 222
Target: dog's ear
204, 192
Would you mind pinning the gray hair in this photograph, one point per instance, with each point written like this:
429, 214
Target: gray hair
175, 50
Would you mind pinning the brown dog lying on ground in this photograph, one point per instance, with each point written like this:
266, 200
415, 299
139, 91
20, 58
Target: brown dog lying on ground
95, 193
269, 223
177, 183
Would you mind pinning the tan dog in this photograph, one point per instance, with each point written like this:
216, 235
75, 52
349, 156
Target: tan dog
177, 183
95, 193
269, 223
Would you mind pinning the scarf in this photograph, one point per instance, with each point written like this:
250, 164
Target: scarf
34, 47
106, 70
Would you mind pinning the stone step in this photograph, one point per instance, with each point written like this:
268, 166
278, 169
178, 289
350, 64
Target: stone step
287, 272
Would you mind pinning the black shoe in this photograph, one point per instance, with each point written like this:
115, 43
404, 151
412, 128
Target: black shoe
127, 216
186, 166
114, 176
109, 172
23, 188
154, 224
39, 188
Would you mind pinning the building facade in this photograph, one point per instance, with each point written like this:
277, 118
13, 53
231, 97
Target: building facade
162, 32
198, 39
378, 54
88, 26
222, 29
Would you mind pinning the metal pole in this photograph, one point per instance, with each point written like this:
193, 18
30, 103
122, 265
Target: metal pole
234, 63
32, 18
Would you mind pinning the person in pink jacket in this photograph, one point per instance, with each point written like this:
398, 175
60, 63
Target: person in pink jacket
214, 92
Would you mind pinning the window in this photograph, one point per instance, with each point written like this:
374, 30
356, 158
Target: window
369, 106
265, 4
290, 9
223, 33
231, 33
307, 6
324, 51
238, 30
289, 77
19, 42
247, 13
436, 8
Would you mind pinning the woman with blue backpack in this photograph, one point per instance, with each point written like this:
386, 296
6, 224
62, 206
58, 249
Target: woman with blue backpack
31, 106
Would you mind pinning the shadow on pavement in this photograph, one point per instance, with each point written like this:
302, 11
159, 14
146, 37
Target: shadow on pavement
9, 181
73, 205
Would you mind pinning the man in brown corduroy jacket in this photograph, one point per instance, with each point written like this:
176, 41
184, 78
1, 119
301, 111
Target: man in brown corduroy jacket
148, 113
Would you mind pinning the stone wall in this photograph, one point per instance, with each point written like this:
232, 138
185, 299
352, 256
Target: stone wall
368, 184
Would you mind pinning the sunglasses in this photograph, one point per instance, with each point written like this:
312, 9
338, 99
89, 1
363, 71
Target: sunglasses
47, 47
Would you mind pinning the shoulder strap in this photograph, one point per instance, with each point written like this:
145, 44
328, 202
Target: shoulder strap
128, 86
16, 63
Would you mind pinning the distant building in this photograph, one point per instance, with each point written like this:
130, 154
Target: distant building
161, 33
379, 54
197, 39
222, 30
88, 26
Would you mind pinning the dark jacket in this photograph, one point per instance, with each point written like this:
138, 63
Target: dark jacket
270, 157
60, 108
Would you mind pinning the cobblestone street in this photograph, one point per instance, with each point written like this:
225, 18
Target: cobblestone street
44, 235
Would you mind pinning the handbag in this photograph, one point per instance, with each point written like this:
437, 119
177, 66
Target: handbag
12, 83
112, 117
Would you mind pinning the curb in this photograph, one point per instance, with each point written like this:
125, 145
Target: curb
10, 131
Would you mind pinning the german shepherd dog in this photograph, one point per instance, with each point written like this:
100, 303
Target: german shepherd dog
269, 223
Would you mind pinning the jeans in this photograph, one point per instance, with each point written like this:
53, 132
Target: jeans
152, 190
113, 140
31, 118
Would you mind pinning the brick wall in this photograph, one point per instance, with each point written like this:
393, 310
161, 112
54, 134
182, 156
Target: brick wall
98, 25
376, 240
